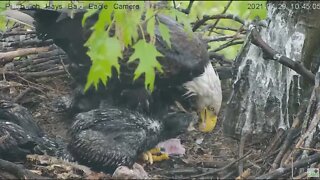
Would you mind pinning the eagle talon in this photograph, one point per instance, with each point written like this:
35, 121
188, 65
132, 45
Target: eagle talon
155, 155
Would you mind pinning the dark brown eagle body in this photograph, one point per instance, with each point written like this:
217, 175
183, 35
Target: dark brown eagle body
185, 60
123, 119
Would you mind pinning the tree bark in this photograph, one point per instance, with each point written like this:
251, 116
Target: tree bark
267, 95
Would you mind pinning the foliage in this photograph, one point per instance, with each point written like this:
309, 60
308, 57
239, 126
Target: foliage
105, 50
127, 25
147, 63
2, 19
239, 8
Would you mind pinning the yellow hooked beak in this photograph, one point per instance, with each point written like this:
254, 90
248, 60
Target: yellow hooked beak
208, 120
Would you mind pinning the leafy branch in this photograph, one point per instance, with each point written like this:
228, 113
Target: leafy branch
105, 50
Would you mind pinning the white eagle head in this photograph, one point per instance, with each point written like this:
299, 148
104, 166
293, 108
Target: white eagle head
207, 89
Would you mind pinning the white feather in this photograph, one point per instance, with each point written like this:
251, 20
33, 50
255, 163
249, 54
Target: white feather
207, 88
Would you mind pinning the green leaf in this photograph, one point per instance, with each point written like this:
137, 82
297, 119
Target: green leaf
127, 23
184, 19
3, 5
89, 13
95, 74
2, 23
146, 53
165, 33
104, 52
151, 22
104, 19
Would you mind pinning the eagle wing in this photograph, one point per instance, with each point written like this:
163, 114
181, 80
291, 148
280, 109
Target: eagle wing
185, 60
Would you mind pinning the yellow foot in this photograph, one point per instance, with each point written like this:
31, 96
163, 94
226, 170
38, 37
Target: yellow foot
155, 155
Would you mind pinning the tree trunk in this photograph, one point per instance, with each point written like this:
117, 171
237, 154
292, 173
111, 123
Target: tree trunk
267, 95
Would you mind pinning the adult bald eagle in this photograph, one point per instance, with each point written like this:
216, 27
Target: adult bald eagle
187, 69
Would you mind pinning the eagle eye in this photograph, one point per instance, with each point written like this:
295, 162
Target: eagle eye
210, 108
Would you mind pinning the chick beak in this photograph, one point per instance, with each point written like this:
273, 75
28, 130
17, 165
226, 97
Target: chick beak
208, 120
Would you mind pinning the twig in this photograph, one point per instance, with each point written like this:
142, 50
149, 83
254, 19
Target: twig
301, 176
219, 33
9, 84
228, 44
267, 156
276, 141
298, 164
34, 61
8, 56
23, 93
36, 74
64, 67
220, 58
292, 134
274, 55
243, 140
308, 149
17, 171
182, 171
206, 18
223, 12
42, 74
254, 164
15, 25
37, 43
222, 38
7, 34
41, 66
35, 85
307, 126
227, 28
187, 11
214, 171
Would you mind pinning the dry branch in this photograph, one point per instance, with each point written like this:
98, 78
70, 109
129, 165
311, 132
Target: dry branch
206, 18
291, 135
223, 12
228, 44
223, 38
187, 10
298, 164
35, 61
32, 42
22, 94
221, 59
17, 171
214, 171
7, 34
274, 55
40, 74
228, 28
8, 56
